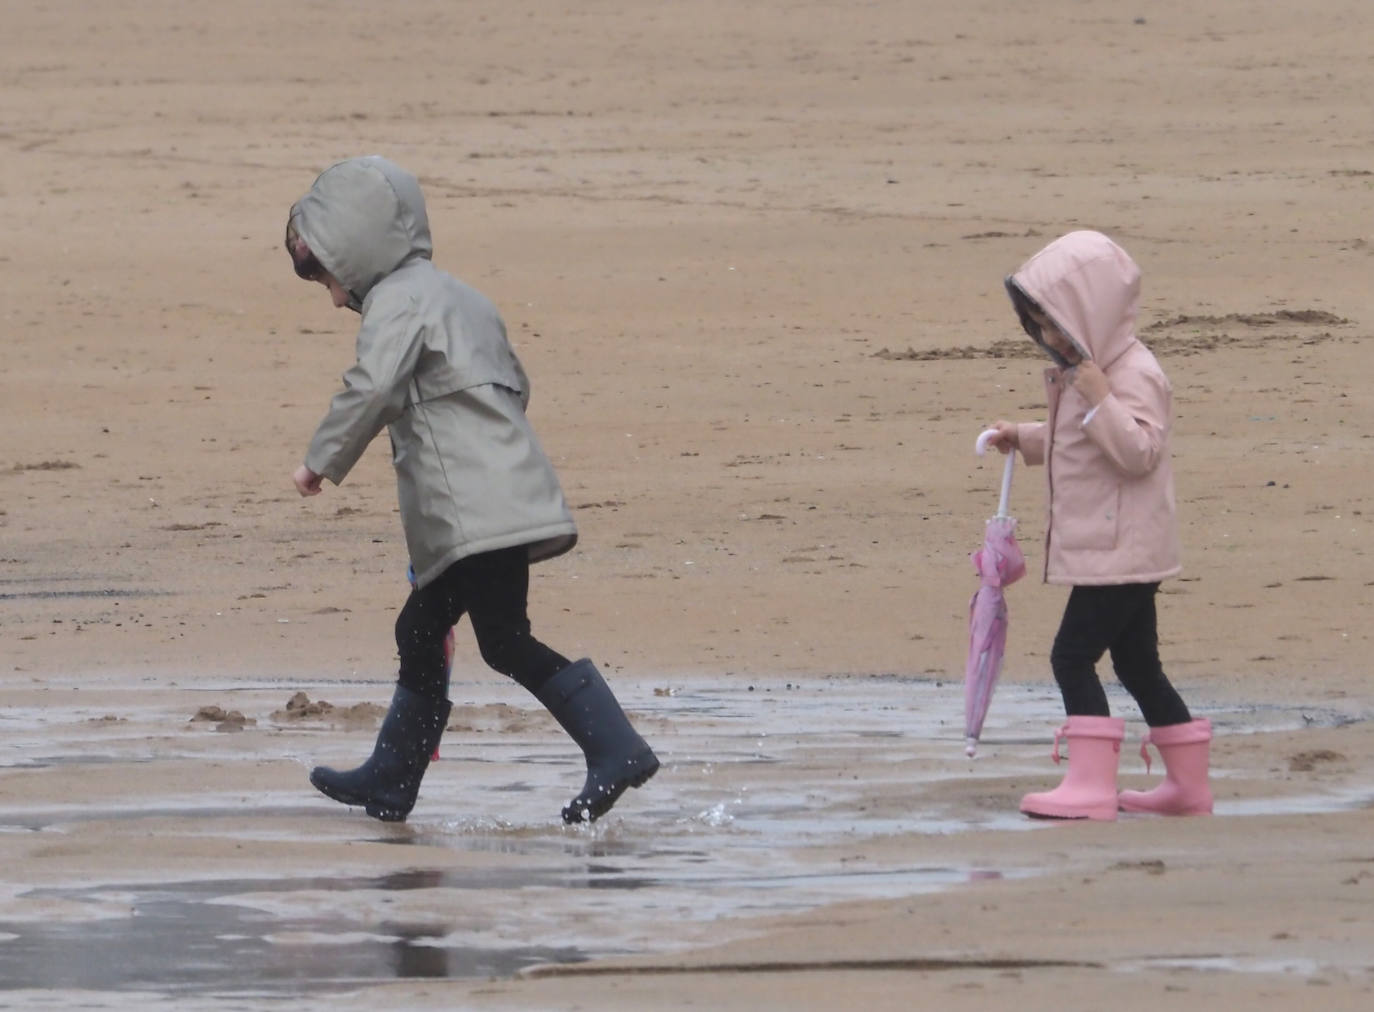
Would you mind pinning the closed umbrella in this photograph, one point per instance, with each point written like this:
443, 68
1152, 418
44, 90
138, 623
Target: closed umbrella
998, 563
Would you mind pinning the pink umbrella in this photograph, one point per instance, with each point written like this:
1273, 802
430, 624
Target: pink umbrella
998, 563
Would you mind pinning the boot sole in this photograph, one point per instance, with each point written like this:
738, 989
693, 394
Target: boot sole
1141, 803
1074, 814
606, 801
1078, 817
1165, 811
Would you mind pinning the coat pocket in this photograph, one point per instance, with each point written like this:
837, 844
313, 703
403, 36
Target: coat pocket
1089, 515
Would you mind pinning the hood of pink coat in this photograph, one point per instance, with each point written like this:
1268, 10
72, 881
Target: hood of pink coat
1090, 287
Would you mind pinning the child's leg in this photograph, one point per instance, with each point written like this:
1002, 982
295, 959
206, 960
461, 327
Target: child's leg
491, 588
388, 782
421, 628
497, 585
1089, 625
1135, 656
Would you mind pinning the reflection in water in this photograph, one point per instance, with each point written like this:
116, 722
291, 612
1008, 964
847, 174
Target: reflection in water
418, 960
185, 937
203, 936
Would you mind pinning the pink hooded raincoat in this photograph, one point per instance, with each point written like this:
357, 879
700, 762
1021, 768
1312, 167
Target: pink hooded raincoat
1111, 488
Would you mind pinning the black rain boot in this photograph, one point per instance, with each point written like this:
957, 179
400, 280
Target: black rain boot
387, 784
617, 757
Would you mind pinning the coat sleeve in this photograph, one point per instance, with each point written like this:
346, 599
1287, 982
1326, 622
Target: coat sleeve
374, 394
1030, 436
1132, 425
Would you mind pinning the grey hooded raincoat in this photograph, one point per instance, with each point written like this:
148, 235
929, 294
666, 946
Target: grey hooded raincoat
434, 366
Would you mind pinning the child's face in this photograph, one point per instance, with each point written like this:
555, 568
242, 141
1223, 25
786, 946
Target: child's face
308, 268
337, 292
1054, 337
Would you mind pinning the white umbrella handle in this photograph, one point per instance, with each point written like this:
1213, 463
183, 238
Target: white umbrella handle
981, 447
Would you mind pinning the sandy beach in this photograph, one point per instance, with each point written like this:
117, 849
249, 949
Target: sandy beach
751, 256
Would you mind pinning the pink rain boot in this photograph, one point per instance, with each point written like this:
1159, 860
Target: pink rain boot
1185, 749
1088, 790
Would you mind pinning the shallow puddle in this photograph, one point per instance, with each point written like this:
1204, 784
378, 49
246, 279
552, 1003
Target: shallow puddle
186, 937
229, 935
753, 781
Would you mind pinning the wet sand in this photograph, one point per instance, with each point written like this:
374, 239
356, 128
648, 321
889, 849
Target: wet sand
752, 261
824, 827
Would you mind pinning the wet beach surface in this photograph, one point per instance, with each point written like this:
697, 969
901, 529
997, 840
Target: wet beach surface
170, 852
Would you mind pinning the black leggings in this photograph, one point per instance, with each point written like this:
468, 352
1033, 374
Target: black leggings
1119, 618
491, 589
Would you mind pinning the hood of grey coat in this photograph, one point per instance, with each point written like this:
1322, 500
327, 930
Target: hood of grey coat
362, 219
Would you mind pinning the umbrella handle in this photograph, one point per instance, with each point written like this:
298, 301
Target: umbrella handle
981, 447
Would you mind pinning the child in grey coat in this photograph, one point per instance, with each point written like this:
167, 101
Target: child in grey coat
479, 498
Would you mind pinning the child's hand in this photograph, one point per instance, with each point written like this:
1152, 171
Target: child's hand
1089, 380
1006, 439
307, 481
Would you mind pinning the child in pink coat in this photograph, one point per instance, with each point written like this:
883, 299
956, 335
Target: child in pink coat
1111, 534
